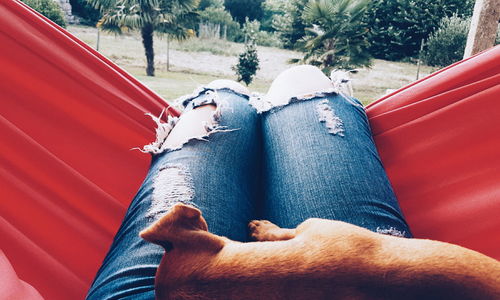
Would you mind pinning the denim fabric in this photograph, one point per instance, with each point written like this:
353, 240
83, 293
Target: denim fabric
224, 173
310, 172
283, 165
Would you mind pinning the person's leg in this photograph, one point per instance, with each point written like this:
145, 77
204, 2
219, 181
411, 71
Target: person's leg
216, 172
319, 157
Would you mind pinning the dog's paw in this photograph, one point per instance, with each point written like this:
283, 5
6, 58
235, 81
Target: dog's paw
262, 230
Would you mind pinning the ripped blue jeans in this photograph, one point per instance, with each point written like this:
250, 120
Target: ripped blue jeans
313, 157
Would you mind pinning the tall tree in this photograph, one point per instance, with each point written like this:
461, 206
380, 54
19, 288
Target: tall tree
87, 14
337, 38
291, 26
148, 16
242, 9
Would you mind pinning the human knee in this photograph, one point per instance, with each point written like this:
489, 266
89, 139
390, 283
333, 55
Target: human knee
298, 81
193, 123
203, 110
220, 84
202, 115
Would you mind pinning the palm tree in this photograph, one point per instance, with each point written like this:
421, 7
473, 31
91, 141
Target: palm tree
168, 17
337, 37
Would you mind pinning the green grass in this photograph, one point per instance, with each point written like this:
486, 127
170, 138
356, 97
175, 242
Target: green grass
171, 85
371, 84
196, 62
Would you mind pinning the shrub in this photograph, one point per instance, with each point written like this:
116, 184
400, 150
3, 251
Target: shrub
248, 63
251, 31
291, 26
87, 13
242, 9
272, 10
210, 3
447, 44
49, 9
398, 26
217, 15
268, 39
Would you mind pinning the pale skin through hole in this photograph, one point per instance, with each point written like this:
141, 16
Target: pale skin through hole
190, 124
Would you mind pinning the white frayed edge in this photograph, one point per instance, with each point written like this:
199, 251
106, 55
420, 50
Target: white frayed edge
391, 231
172, 184
220, 104
184, 100
162, 132
326, 115
212, 126
341, 85
342, 82
198, 138
164, 129
261, 104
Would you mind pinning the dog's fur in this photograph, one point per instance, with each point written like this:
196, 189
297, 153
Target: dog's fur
320, 259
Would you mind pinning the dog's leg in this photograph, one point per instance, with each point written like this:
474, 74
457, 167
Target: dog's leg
183, 227
266, 231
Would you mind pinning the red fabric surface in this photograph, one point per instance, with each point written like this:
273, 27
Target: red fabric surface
69, 117
439, 140
68, 120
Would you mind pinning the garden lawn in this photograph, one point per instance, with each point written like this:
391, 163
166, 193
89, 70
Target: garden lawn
196, 62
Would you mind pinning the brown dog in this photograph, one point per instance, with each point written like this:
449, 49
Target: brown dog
320, 259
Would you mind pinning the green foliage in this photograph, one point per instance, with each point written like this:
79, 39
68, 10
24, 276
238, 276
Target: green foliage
87, 13
49, 9
268, 39
166, 16
337, 39
291, 26
398, 26
210, 3
248, 63
242, 9
251, 31
175, 18
447, 44
271, 11
215, 15
218, 15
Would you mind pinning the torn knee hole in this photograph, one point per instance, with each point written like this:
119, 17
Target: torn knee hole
326, 115
173, 184
210, 98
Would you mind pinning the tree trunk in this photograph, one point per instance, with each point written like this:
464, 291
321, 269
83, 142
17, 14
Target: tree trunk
147, 41
483, 27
